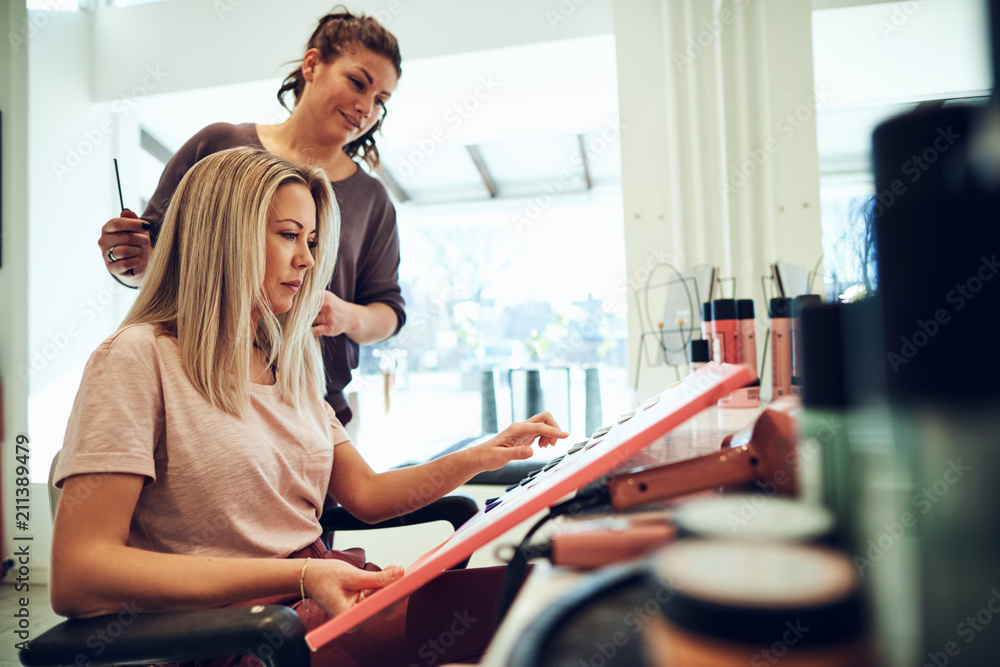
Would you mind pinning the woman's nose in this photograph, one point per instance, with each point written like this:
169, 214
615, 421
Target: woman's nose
366, 105
306, 259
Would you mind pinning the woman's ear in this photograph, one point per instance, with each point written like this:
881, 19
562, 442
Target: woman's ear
309, 62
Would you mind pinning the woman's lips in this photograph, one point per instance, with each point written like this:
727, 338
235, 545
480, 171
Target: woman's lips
294, 285
350, 121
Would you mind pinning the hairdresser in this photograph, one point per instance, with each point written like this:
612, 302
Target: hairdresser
340, 90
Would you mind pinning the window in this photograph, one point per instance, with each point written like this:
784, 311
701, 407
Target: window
900, 54
484, 294
847, 253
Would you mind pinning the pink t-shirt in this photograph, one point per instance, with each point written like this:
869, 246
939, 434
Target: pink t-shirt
216, 485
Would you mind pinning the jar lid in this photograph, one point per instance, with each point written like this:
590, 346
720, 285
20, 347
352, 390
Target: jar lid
780, 307
700, 352
754, 517
724, 309
756, 592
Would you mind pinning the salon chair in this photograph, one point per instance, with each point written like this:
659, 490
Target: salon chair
273, 633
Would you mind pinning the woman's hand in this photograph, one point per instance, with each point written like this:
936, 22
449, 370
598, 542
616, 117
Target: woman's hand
515, 441
336, 586
127, 239
334, 316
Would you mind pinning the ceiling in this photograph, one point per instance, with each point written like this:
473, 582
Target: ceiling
525, 120
487, 125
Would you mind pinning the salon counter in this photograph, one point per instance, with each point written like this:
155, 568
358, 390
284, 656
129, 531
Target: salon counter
613, 624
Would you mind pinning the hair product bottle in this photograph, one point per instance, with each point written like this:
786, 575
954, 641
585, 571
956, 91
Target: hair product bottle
781, 347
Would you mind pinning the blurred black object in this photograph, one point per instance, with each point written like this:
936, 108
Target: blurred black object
937, 233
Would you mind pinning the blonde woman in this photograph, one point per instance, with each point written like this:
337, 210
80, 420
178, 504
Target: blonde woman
200, 451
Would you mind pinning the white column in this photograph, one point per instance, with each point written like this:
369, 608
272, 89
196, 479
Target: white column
719, 158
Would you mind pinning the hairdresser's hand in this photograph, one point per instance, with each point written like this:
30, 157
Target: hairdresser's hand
337, 586
335, 316
128, 238
515, 441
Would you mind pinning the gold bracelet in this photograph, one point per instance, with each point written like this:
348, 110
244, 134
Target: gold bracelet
302, 583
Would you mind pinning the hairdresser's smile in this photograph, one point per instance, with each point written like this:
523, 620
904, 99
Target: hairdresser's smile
291, 237
351, 123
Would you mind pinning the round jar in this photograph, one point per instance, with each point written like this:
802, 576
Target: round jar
733, 602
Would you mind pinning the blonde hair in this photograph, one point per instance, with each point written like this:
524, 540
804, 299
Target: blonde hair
205, 279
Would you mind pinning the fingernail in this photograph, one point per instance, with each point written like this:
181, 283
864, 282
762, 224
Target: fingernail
146, 225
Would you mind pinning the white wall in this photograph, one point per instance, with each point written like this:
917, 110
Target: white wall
14, 262
72, 190
71, 187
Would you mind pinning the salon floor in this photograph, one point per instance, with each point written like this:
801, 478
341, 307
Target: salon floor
39, 612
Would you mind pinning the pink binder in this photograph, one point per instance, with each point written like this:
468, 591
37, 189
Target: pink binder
608, 448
